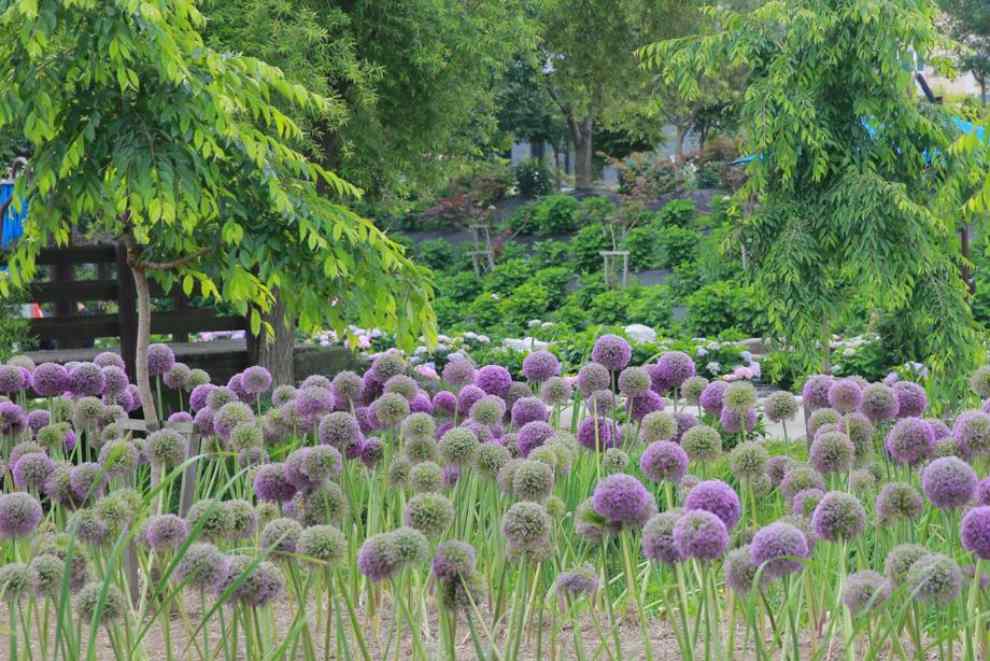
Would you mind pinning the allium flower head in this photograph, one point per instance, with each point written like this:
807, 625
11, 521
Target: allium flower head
865, 590
612, 352
166, 448
644, 404
177, 378
822, 417
229, 416
539, 366
104, 603
911, 399
806, 501
49, 380
517, 391
899, 561
749, 460
261, 583
339, 430
241, 519
718, 498
197, 377
20, 514
201, 566
445, 403
621, 498
614, 461
777, 467
453, 559
323, 542
490, 459
529, 409
980, 382
975, 532
845, 395
934, 578
949, 482
983, 492
580, 582
972, 432
657, 426
256, 380
898, 500
739, 397
411, 546
494, 380
324, 504
910, 441
664, 461
658, 539
458, 446
87, 480
390, 409
532, 480
779, 549
740, 570
633, 381
702, 443
270, 484
281, 535
466, 398
713, 396
600, 402
700, 534
814, 394
160, 359
403, 385
780, 406
675, 367
839, 516
732, 421
592, 377
32, 470
459, 372
832, 452
426, 477
387, 364
12, 379
165, 532
879, 402
692, 388
86, 379
429, 513
526, 527
599, 433
556, 391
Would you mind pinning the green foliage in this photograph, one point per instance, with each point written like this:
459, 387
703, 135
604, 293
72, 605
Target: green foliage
533, 178
585, 246
844, 209
484, 311
724, 305
652, 306
530, 300
15, 335
508, 275
461, 287
438, 254
554, 215
642, 244
676, 246
677, 213
140, 130
784, 369
555, 279
594, 209
511, 250
552, 251
609, 307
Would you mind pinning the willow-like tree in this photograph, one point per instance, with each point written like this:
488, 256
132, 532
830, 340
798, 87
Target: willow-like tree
140, 131
857, 200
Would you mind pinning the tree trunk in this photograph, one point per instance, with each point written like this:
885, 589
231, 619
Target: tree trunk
276, 354
681, 137
143, 378
583, 167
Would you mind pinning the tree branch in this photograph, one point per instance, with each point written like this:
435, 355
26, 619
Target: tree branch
173, 264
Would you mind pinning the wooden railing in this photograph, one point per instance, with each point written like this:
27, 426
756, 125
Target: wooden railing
70, 329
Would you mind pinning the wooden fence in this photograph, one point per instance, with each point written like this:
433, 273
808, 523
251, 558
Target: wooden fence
71, 327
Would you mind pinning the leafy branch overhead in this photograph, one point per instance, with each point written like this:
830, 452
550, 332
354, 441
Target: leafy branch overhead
137, 128
858, 196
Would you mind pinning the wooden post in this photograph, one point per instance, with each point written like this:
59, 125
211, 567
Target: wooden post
127, 312
181, 303
62, 275
188, 489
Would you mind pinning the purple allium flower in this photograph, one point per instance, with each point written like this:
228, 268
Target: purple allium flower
780, 406
712, 396
718, 498
494, 380
645, 403
777, 467
339, 430
779, 548
600, 402
179, 417
38, 419
517, 391
270, 484
556, 391
378, 557
11, 379
975, 532
621, 498
814, 394
832, 452
403, 385
732, 421
593, 377
293, 470
839, 516
459, 372
165, 532
539, 366
280, 535
237, 385
949, 482
20, 514
664, 461
911, 399
879, 402
114, 380
49, 380
934, 578
910, 441
372, 451
32, 470
87, 480
109, 358
675, 368
160, 359
371, 388
658, 376
453, 559
685, 422
429, 513
748, 461
387, 364
529, 409
845, 395
533, 435
390, 409
612, 352
579, 582
658, 539
256, 380
806, 501
702, 443
421, 403
467, 397
740, 571
865, 590
983, 492
199, 396
130, 399
939, 428
178, 377
634, 381
972, 432
899, 560
599, 433
700, 534
445, 403
313, 401
317, 381
203, 421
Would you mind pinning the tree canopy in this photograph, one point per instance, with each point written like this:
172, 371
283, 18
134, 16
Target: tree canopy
138, 130
855, 198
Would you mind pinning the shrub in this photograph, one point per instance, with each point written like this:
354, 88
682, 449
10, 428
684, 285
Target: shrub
553, 215
686, 279
710, 174
529, 301
552, 251
642, 244
508, 275
15, 336
720, 149
534, 178
652, 306
609, 307
586, 244
459, 287
484, 311
509, 250
782, 368
676, 246
572, 314
724, 305
555, 280
677, 213
438, 254
593, 209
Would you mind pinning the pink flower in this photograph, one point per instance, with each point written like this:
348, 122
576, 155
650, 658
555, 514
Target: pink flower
427, 371
364, 342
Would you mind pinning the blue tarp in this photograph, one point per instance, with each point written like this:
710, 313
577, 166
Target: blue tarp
13, 219
960, 123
